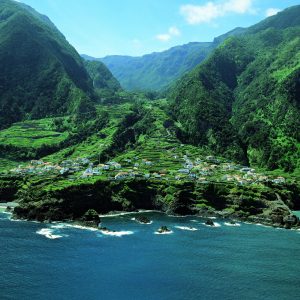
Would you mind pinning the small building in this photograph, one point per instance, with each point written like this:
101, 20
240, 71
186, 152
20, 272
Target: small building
279, 180
121, 175
156, 175
247, 170
184, 171
193, 175
96, 171
64, 171
36, 162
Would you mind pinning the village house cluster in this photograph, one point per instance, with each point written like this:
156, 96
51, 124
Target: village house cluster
203, 170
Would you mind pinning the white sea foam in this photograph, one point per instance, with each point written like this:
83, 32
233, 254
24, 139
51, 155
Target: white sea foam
134, 219
59, 226
186, 228
262, 225
116, 233
213, 218
233, 225
16, 220
118, 214
195, 221
215, 225
6, 212
82, 227
166, 232
48, 233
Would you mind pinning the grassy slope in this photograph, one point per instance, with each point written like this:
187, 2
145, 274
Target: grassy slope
59, 197
32, 134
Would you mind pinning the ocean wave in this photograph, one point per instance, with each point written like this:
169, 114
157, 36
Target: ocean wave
215, 225
5, 212
116, 233
263, 225
195, 221
186, 228
59, 226
82, 227
134, 219
233, 225
166, 232
118, 214
48, 233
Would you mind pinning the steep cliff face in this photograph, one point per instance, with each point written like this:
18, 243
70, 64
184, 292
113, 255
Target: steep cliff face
268, 205
243, 102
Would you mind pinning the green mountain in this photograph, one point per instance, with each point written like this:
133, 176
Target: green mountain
156, 71
41, 73
101, 76
243, 102
126, 151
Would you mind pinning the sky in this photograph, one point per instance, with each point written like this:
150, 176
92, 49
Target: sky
137, 27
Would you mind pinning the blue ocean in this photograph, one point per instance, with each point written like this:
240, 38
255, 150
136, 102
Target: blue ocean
58, 261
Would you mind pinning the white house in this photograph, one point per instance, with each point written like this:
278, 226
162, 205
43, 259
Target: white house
121, 175
184, 171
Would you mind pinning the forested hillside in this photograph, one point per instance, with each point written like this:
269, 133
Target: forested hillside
243, 102
41, 73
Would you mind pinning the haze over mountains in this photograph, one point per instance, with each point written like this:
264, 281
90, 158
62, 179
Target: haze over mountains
156, 71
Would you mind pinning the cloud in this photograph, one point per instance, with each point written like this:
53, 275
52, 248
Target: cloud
174, 31
165, 37
272, 11
196, 14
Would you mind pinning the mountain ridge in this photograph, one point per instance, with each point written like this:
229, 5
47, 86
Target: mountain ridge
157, 70
244, 98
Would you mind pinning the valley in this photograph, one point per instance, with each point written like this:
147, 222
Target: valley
216, 133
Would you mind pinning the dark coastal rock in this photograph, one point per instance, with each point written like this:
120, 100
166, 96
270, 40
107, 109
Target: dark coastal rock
9, 209
232, 222
163, 229
209, 222
105, 229
143, 219
292, 219
91, 218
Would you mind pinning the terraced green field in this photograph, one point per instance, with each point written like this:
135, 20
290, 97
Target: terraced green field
32, 134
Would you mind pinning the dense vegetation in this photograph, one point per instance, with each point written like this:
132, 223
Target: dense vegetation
243, 102
103, 81
95, 147
41, 73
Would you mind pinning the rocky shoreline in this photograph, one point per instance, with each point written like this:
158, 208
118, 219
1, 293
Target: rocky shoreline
289, 222
83, 203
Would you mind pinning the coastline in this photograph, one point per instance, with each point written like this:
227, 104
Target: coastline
216, 217
5, 205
